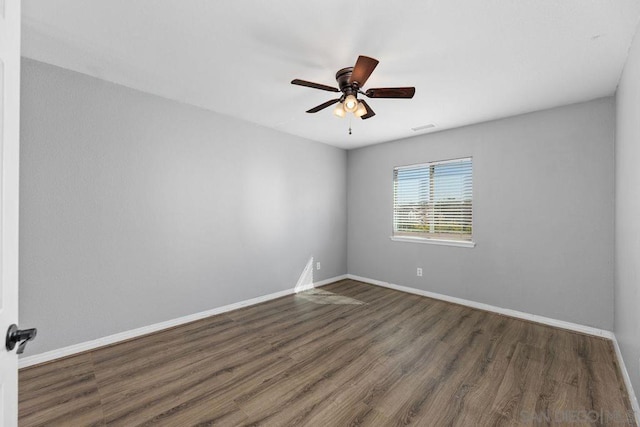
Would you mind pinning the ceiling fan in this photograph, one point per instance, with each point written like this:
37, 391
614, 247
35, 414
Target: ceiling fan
351, 80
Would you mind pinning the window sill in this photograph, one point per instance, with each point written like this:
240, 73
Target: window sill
458, 243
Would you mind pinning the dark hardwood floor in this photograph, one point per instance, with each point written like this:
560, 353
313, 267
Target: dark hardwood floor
345, 354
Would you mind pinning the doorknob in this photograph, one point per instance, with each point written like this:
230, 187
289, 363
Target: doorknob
22, 336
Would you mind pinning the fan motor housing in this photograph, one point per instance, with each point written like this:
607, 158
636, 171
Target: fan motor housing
342, 77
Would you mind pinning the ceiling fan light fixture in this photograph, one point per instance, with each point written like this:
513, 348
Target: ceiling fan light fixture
361, 110
350, 103
350, 81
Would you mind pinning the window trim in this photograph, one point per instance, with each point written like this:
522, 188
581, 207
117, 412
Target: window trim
438, 242
427, 240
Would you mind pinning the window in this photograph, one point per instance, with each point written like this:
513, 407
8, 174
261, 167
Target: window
433, 201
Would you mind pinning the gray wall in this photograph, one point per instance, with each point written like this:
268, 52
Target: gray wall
543, 214
627, 232
136, 209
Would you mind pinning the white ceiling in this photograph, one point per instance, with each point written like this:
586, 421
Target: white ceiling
470, 60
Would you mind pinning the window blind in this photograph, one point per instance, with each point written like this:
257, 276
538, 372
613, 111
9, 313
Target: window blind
434, 200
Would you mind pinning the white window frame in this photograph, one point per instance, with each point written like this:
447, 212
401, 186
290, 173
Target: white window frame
423, 239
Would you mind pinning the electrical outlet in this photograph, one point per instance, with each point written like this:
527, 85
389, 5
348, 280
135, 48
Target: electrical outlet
317, 266
419, 272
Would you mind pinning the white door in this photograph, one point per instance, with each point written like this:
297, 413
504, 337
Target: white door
9, 152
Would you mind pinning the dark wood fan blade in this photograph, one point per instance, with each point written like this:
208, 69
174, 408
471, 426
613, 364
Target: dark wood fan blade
363, 69
323, 106
391, 92
370, 112
314, 85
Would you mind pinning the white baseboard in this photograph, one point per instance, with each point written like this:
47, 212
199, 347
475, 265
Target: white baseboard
134, 333
627, 381
487, 307
331, 280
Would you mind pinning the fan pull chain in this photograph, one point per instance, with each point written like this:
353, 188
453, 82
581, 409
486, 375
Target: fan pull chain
349, 125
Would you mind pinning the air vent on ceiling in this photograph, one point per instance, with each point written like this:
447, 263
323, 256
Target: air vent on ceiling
423, 127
